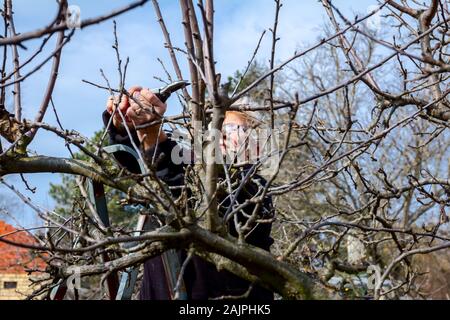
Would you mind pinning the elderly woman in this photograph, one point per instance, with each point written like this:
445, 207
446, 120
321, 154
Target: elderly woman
201, 279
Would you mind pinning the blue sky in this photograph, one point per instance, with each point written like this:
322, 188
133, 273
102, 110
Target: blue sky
239, 23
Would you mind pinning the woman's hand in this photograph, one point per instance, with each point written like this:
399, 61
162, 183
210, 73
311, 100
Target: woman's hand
144, 107
123, 105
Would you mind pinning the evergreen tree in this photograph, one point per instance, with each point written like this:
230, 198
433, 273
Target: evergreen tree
69, 199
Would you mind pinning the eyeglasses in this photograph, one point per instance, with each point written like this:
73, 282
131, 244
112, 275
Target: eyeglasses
232, 127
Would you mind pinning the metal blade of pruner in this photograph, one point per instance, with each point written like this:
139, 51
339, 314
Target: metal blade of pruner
164, 93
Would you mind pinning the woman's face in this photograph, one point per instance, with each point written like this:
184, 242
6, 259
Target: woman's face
234, 134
